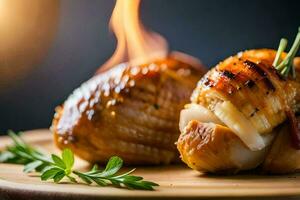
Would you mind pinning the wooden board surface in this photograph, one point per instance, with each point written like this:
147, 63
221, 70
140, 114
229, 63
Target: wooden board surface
175, 181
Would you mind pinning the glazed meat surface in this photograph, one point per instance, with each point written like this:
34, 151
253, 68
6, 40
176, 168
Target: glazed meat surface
252, 85
250, 99
128, 111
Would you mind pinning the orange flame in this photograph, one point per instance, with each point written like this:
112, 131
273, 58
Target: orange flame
134, 44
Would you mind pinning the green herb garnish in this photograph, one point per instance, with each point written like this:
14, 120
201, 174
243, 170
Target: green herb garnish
285, 67
56, 168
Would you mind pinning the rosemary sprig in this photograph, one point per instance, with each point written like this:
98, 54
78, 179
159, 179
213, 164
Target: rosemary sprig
22, 153
285, 67
57, 168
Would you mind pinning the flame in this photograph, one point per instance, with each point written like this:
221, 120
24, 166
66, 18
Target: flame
135, 44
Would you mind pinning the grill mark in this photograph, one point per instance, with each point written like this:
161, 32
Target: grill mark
223, 83
277, 74
241, 78
228, 74
249, 83
254, 67
209, 82
254, 112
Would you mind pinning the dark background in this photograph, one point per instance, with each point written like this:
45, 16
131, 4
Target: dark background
209, 30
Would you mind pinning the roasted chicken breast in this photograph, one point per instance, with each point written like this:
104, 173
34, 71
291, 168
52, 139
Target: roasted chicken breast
128, 111
282, 157
236, 108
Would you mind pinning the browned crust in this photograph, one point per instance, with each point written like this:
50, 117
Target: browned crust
206, 147
90, 123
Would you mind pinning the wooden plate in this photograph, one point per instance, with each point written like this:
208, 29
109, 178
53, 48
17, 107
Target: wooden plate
175, 182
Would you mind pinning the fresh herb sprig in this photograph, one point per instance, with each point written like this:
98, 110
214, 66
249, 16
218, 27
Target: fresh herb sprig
285, 67
57, 168
22, 153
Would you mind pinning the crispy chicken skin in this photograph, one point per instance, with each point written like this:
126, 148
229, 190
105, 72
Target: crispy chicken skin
252, 99
210, 147
128, 111
249, 82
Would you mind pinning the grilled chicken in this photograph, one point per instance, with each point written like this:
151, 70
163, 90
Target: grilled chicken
128, 111
233, 118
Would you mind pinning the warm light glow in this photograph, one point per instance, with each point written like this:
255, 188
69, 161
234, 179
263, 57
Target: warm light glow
3, 11
1, 6
134, 44
27, 30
